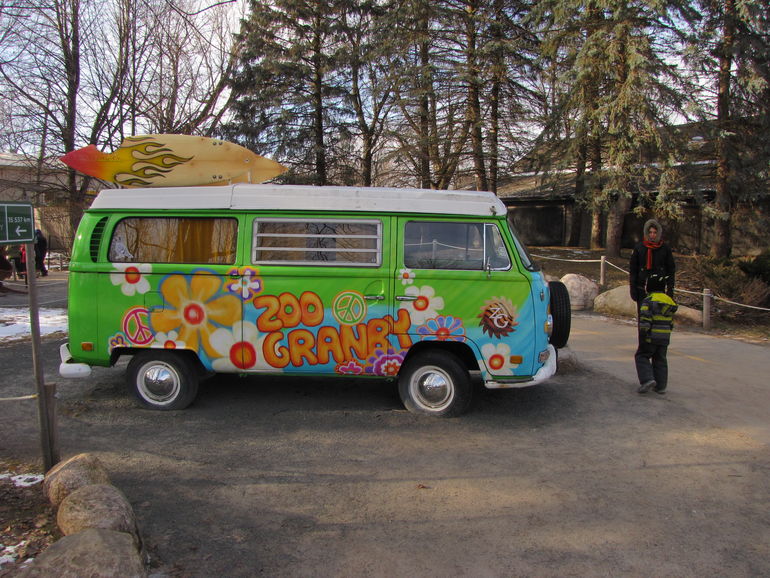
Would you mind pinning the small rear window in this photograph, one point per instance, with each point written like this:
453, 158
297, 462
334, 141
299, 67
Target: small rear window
352, 243
207, 240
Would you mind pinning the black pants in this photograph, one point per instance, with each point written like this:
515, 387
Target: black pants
651, 363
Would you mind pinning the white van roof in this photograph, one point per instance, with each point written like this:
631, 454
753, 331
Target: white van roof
304, 198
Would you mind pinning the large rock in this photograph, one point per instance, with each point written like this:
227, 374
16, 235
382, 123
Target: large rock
582, 291
688, 315
95, 553
72, 474
97, 506
616, 301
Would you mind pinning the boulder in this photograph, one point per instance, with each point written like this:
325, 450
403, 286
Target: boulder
688, 315
97, 506
582, 291
616, 301
96, 553
76, 472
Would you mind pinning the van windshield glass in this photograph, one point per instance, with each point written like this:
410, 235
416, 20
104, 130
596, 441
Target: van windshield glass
521, 249
454, 245
208, 240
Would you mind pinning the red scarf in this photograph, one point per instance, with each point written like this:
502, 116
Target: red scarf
650, 248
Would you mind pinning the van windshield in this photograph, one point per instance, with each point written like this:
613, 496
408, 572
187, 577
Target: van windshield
521, 249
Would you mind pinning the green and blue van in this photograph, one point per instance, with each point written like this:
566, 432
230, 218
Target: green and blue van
424, 287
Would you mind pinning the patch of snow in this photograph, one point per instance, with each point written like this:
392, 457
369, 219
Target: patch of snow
8, 553
15, 324
23, 480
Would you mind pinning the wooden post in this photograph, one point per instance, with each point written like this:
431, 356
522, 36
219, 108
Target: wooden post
47, 425
603, 271
708, 298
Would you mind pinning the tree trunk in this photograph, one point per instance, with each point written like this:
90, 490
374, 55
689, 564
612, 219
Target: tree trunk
596, 193
425, 80
498, 74
615, 220
596, 228
474, 102
318, 117
722, 245
580, 191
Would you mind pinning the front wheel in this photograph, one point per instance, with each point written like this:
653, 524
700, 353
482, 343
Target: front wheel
163, 380
435, 383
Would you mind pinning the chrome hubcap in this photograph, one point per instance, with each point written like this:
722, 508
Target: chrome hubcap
433, 388
159, 383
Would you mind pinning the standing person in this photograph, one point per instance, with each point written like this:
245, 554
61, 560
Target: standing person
651, 256
14, 255
651, 270
41, 248
656, 322
5, 265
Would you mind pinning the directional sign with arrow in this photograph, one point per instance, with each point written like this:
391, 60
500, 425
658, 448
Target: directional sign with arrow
16, 223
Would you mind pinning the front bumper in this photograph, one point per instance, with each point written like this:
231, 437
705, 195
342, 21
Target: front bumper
68, 368
544, 373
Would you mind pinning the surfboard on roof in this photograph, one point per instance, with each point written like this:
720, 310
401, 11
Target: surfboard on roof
173, 160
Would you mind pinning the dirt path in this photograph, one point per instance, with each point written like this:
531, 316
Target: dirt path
580, 476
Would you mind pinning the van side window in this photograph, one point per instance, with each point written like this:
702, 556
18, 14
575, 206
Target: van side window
355, 243
206, 240
454, 245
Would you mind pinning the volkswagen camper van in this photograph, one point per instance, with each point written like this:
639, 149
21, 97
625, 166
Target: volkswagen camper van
424, 287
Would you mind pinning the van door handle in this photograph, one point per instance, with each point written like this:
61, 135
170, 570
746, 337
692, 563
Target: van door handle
406, 298
374, 297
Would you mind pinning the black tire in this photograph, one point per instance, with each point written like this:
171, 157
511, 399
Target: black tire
435, 383
561, 313
163, 380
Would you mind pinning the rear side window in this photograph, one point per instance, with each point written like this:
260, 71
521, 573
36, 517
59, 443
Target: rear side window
208, 240
354, 243
454, 245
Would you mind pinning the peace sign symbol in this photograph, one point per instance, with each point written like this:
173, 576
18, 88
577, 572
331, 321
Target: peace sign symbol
136, 327
349, 307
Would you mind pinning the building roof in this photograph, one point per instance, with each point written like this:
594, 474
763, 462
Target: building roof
303, 198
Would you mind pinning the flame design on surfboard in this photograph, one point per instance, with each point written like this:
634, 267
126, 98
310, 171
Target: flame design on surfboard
173, 161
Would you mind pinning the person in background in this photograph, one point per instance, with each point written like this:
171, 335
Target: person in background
5, 265
14, 256
652, 270
41, 248
651, 256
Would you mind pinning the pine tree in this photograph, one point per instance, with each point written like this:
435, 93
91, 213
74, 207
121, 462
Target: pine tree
732, 54
287, 85
622, 93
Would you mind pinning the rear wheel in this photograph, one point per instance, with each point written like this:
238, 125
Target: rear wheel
435, 383
163, 380
561, 313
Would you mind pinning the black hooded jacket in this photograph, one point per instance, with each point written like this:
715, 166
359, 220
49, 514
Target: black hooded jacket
663, 267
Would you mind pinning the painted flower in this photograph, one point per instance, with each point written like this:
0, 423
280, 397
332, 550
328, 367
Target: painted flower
248, 283
131, 278
497, 357
350, 368
238, 348
442, 328
385, 362
195, 307
424, 306
407, 276
118, 340
168, 340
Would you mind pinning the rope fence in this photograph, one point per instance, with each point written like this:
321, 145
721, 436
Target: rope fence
707, 294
